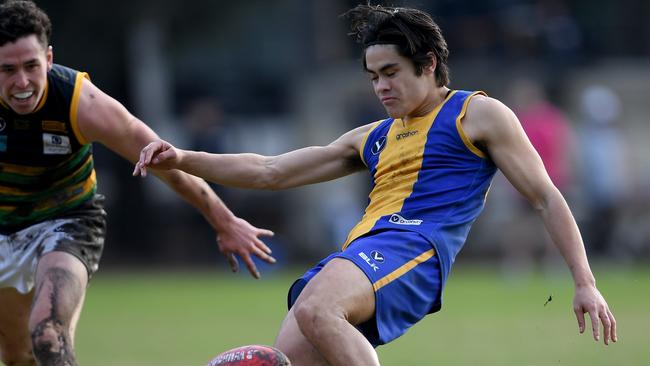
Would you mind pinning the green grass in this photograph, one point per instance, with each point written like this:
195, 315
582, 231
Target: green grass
182, 318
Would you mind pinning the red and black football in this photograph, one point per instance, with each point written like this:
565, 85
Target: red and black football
251, 355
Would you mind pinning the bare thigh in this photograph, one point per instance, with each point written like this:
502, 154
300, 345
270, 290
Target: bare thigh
343, 288
15, 344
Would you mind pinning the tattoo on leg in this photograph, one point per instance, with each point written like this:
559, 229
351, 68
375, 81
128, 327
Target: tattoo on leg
51, 338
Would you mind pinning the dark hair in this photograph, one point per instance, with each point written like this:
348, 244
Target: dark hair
21, 19
413, 31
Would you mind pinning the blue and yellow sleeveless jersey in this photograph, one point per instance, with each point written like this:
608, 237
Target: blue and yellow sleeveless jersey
427, 177
46, 167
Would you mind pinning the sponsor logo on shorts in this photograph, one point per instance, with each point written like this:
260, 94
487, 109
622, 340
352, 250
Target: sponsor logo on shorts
378, 146
370, 262
377, 256
399, 220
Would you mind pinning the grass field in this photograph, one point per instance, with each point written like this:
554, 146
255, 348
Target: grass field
183, 318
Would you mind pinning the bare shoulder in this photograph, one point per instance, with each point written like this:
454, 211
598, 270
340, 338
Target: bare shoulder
97, 112
89, 107
486, 117
353, 138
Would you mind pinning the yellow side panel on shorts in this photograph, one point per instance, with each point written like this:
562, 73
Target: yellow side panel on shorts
403, 269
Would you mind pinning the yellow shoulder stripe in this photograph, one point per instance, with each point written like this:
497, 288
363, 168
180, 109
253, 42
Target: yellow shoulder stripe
74, 107
459, 127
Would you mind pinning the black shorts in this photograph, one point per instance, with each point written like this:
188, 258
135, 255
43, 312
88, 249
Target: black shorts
79, 232
85, 227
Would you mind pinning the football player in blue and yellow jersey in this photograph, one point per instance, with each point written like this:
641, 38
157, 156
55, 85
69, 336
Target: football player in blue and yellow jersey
52, 221
431, 164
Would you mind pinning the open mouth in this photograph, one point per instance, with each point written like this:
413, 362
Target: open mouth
23, 96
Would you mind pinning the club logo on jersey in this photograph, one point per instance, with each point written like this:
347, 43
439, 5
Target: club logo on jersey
3, 124
369, 260
406, 134
378, 146
377, 256
399, 220
56, 144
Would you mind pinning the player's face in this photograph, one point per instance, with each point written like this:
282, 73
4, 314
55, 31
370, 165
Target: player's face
23, 73
402, 93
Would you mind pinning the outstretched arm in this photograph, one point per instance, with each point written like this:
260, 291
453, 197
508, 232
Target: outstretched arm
295, 168
103, 119
494, 126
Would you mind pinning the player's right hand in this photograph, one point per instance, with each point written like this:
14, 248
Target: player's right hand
158, 155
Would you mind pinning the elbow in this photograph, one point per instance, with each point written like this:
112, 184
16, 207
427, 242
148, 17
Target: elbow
543, 200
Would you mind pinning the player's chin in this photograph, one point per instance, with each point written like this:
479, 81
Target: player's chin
394, 112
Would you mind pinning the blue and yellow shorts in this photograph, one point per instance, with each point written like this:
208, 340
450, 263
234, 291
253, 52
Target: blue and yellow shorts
405, 274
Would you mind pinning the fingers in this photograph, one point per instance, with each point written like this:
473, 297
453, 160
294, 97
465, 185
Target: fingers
595, 325
232, 260
614, 337
145, 159
251, 266
157, 149
137, 171
265, 256
264, 232
607, 325
580, 315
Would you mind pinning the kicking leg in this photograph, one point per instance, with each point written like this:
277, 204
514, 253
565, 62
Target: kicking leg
339, 297
60, 289
293, 343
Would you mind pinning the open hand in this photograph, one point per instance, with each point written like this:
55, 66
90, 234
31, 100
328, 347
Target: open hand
241, 239
589, 300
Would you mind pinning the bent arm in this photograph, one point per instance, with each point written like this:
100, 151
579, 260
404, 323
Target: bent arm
103, 119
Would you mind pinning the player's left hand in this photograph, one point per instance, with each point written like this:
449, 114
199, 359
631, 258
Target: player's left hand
589, 300
241, 239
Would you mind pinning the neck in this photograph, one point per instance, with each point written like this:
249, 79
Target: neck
436, 98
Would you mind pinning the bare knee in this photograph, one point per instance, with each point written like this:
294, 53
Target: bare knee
315, 319
51, 343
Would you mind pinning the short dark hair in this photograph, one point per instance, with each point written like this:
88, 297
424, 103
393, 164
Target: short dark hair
21, 19
413, 31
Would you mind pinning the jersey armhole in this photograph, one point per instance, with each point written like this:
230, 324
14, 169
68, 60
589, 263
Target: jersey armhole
461, 132
362, 148
74, 106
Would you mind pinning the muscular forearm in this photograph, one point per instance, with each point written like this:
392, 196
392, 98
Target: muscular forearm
198, 193
233, 170
565, 234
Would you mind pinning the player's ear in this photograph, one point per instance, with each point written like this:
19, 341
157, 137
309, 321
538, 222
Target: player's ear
49, 56
434, 63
